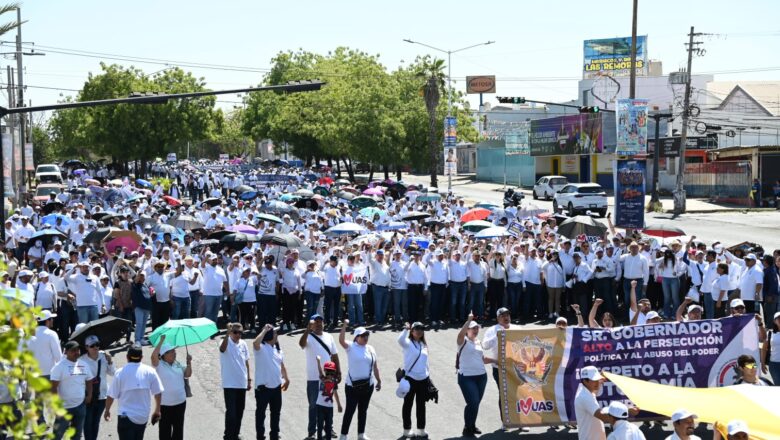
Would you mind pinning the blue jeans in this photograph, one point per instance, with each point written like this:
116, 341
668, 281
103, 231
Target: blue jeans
472, 388
514, 292
77, 422
709, 305
400, 307
141, 317
671, 288
94, 411
355, 309
532, 301
603, 287
324, 421
312, 299
181, 308
437, 301
381, 301
458, 300
211, 305
332, 305
477, 299
312, 391
640, 293
195, 297
87, 313
266, 310
774, 371
416, 297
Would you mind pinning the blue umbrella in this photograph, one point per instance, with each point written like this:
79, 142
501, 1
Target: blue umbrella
392, 226
421, 242
248, 195
346, 228
79, 171
21, 295
48, 233
51, 219
143, 183
371, 211
288, 197
135, 198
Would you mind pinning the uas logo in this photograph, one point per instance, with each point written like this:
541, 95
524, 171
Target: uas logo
531, 360
529, 405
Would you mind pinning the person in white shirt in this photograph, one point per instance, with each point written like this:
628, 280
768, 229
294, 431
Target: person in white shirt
581, 290
472, 378
71, 378
243, 295
604, 273
478, 279
89, 302
684, 423
458, 270
102, 366
361, 381
134, 386
416, 279
617, 414
214, 286
332, 289
312, 282
45, 292
159, 284
174, 396
271, 379
316, 344
751, 283
669, 268
438, 274
291, 295
234, 366
490, 341
415, 366
533, 308
380, 286
590, 419
267, 286
45, 344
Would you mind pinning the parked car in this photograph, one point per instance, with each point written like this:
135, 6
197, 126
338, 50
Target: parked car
580, 198
43, 190
48, 173
547, 186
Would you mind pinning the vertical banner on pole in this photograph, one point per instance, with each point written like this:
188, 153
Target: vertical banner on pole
631, 121
630, 193
7, 172
450, 142
28, 157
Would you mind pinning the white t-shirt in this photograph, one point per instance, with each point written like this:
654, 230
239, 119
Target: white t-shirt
72, 378
105, 370
361, 359
268, 366
314, 349
415, 357
172, 378
233, 364
641, 320
133, 386
588, 426
748, 281
471, 363
623, 430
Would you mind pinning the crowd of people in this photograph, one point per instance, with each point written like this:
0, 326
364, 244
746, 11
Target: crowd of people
266, 251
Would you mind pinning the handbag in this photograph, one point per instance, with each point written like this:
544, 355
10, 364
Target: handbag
401, 372
96, 383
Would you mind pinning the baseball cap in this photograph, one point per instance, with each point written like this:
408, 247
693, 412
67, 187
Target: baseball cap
43, 274
750, 257
616, 409
359, 331
652, 314
736, 302
737, 426
681, 414
591, 373
316, 316
403, 388
380, 252
777, 315
25, 273
330, 366
561, 319
418, 324
71, 345
473, 324
501, 311
166, 348
693, 307
46, 314
91, 340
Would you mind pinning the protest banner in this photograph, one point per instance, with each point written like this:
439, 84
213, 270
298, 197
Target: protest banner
516, 228
539, 369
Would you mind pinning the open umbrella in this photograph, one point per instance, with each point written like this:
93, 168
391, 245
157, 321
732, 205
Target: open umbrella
246, 229
249, 195
98, 235
135, 198
530, 210
280, 208
363, 202
212, 202
348, 196
392, 226
237, 240
289, 197
307, 203
351, 189
375, 191
663, 231
51, 219
429, 197
47, 236
25, 297
371, 211
217, 235
145, 220
242, 189
278, 252
51, 207
346, 229
109, 330
186, 222
79, 171
475, 214
92, 182
172, 201
493, 232
73, 163
342, 182
325, 180
144, 183
279, 239
477, 225
162, 228
269, 217
304, 192
321, 190
581, 225
183, 332
126, 239
415, 215
421, 242
486, 205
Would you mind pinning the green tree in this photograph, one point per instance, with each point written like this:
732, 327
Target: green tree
43, 147
11, 25
431, 71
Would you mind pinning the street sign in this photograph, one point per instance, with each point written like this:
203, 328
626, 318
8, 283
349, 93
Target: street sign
480, 84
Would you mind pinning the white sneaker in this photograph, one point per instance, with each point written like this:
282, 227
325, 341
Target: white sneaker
362, 437
407, 433
342, 437
420, 433
292, 326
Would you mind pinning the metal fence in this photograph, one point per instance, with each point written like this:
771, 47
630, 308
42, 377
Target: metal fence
723, 181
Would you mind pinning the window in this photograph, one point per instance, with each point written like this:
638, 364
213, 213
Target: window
558, 181
590, 190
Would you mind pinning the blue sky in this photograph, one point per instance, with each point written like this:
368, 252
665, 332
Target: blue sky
534, 39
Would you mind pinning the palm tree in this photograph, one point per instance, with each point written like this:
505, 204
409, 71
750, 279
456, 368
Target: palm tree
432, 71
11, 25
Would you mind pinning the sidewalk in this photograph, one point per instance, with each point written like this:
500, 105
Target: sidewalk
474, 192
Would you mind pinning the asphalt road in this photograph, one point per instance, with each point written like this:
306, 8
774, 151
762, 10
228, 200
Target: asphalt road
205, 410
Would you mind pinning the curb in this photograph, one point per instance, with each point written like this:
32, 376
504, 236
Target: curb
722, 210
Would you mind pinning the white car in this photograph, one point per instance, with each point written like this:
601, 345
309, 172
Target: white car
581, 198
48, 173
547, 186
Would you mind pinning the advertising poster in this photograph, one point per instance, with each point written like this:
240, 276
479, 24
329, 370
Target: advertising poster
570, 134
171, 157
28, 157
7, 174
517, 140
630, 193
450, 131
612, 56
539, 369
631, 127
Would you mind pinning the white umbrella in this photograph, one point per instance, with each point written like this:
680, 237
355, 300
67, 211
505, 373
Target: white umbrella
530, 210
495, 231
346, 228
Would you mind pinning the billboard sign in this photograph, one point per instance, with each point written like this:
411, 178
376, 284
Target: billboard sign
612, 56
670, 146
480, 84
570, 134
631, 127
517, 140
630, 193
450, 131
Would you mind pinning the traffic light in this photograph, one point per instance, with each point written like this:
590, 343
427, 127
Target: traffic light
589, 109
511, 99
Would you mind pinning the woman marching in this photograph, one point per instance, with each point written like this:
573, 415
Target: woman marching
362, 378
412, 341
472, 377
174, 396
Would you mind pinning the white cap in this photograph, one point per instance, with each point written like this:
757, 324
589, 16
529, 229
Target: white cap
25, 273
475, 324
561, 319
737, 426
46, 314
590, 372
166, 348
359, 331
681, 414
736, 302
750, 257
777, 315
693, 307
616, 409
43, 274
652, 314
91, 339
403, 388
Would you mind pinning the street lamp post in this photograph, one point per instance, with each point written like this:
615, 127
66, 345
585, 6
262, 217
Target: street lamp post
449, 81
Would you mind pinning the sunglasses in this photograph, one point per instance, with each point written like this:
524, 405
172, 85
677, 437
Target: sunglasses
739, 308
93, 346
750, 366
236, 332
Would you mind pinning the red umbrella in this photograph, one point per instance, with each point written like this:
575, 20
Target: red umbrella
663, 231
475, 214
172, 201
325, 181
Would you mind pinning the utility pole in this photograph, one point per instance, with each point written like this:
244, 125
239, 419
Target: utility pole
679, 194
632, 78
656, 157
11, 131
20, 97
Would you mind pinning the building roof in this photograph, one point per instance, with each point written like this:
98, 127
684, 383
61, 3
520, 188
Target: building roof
750, 97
